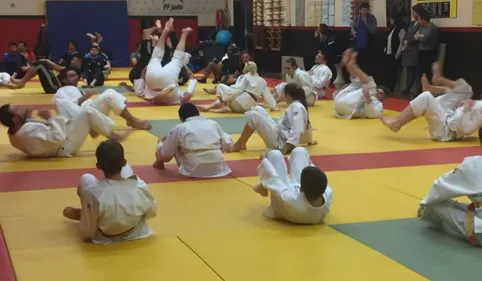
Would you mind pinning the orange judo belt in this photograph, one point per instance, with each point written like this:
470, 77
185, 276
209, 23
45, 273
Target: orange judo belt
469, 224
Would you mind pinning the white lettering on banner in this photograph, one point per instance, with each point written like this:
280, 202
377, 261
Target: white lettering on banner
173, 7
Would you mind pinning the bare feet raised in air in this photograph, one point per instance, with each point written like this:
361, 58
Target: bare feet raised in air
261, 190
186, 30
238, 147
17, 82
425, 83
169, 25
158, 25
435, 73
390, 123
210, 91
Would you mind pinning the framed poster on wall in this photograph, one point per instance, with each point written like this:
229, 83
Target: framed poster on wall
402, 8
440, 8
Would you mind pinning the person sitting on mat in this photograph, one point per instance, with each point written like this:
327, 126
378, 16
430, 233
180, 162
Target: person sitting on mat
72, 50
117, 207
93, 68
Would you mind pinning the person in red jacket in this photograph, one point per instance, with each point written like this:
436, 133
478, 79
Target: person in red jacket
29, 56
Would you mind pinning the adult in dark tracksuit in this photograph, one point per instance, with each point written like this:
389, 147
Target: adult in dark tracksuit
363, 30
325, 42
410, 51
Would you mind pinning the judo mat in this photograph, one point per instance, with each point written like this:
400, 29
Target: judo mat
214, 229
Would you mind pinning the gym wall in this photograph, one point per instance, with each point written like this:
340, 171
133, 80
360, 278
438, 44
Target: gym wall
463, 40
20, 19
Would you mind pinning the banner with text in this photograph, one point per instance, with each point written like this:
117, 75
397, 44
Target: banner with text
174, 7
440, 8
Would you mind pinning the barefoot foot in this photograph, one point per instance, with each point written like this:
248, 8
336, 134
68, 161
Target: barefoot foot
261, 190
169, 25
72, 213
17, 82
202, 108
159, 165
238, 147
210, 91
187, 30
313, 142
140, 124
390, 123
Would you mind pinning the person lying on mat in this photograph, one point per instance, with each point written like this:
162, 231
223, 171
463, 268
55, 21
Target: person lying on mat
45, 70
69, 98
117, 207
159, 84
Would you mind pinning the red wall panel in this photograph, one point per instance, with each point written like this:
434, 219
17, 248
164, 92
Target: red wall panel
26, 29
19, 29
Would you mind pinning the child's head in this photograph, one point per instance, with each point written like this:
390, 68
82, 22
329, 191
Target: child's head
187, 110
110, 157
313, 182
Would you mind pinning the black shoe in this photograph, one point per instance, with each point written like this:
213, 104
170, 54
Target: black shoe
202, 80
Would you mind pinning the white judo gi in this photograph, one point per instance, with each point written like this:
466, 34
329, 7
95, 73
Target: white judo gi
287, 201
143, 92
163, 80
114, 211
303, 79
292, 127
198, 145
320, 76
445, 121
440, 208
243, 95
350, 103
66, 99
60, 136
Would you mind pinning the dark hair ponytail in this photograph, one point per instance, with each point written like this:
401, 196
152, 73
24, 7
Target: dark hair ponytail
296, 92
292, 62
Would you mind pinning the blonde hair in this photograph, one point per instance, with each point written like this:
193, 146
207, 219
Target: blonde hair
251, 67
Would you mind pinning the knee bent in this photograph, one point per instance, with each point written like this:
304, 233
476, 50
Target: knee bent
274, 154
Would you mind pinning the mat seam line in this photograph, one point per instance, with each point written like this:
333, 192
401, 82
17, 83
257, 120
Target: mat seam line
199, 256
8, 262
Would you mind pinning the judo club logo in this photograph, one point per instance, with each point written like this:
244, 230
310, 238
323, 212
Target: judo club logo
178, 6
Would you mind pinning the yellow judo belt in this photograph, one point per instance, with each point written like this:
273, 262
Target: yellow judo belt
469, 224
